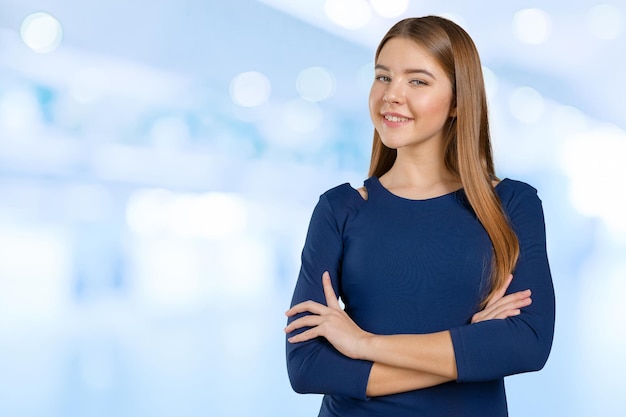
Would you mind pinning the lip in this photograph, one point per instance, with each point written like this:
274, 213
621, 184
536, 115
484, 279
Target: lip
390, 123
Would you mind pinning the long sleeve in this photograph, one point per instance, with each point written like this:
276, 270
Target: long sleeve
316, 366
497, 348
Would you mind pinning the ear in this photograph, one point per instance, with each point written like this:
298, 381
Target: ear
453, 108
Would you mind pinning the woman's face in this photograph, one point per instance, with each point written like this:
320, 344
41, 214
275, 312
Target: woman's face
411, 97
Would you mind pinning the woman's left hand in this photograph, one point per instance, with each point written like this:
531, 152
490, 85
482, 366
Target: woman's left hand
501, 306
328, 321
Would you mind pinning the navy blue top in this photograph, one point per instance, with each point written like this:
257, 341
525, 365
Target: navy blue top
406, 266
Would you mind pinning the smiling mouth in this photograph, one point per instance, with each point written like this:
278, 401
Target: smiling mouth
395, 119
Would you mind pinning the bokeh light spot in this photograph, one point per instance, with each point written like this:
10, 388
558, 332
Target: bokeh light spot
350, 14
531, 26
389, 8
250, 89
315, 84
41, 32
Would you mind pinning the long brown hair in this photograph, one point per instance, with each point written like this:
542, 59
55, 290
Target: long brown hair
467, 153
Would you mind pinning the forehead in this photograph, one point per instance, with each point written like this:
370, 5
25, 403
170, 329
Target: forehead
406, 53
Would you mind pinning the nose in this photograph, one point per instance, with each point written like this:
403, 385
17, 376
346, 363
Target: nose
394, 93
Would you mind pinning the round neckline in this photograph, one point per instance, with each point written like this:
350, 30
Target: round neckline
376, 181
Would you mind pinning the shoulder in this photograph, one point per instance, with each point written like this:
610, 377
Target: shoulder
521, 203
513, 191
343, 194
342, 201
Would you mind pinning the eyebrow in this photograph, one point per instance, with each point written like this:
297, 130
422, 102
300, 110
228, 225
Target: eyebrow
409, 71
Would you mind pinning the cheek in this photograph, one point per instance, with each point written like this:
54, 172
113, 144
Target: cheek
375, 99
439, 108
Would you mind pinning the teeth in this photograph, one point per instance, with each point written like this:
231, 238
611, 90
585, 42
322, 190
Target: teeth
396, 119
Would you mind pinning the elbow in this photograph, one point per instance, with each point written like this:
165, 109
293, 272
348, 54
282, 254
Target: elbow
535, 355
298, 383
298, 379
539, 357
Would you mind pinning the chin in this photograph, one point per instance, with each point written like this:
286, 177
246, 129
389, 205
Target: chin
391, 144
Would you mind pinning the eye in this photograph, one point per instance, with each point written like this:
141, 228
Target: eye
418, 82
382, 78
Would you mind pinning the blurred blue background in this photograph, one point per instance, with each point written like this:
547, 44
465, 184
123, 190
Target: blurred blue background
159, 161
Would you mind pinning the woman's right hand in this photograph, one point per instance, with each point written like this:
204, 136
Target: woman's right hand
500, 306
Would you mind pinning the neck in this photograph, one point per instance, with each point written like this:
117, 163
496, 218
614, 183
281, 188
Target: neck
419, 175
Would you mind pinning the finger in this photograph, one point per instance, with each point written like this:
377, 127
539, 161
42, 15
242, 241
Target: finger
509, 313
329, 293
306, 306
504, 306
506, 299
304, 336
501, 291
503, 309
306, 321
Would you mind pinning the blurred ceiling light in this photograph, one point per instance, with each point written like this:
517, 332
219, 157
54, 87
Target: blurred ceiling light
250, 89
389, 8
531, 26
526, 105
41, 32
350, 14
315, 84
605, 22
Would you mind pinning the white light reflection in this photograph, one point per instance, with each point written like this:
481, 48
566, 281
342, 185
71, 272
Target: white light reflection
250, 89
605, 22
526, 104
531, 26
207, 216
594, 163
389, 8
41, 32
315, 84
350, 14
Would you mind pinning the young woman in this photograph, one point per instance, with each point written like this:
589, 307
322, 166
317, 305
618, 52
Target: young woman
434, 258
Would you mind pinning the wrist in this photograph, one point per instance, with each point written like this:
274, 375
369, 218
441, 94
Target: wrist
365, 346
